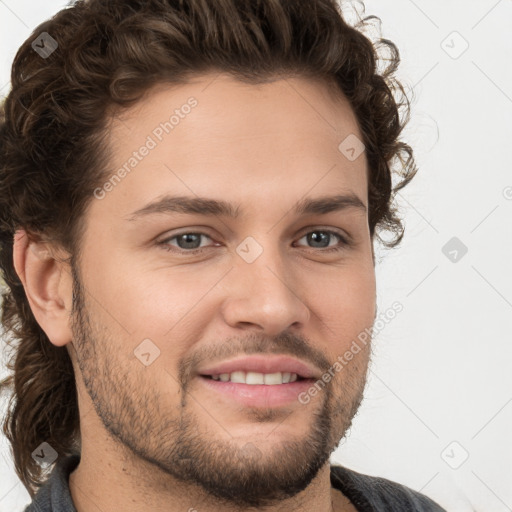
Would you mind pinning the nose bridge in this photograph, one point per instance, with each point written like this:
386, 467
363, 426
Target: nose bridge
263, 265
264, 288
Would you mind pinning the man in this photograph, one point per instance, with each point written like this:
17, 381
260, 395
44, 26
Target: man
190, 195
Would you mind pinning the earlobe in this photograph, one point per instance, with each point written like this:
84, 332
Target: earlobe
47, 283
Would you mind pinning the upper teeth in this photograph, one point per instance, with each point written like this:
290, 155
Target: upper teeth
257, 378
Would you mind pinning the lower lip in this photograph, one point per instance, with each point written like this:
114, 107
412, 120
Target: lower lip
260, 395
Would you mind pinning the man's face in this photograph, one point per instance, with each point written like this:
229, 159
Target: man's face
153, 319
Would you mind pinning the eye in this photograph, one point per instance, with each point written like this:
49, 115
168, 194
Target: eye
325, 236
190, 242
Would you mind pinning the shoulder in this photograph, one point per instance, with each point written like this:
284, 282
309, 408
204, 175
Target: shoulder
371, 493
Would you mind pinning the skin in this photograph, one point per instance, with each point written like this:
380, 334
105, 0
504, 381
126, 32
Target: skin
154, 437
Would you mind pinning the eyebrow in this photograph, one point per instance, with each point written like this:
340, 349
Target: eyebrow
213, 207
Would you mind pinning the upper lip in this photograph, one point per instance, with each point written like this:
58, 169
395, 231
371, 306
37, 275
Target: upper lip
262, 364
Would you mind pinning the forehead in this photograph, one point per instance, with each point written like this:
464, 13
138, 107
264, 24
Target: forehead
218, 137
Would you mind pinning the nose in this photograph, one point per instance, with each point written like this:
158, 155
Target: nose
264, 295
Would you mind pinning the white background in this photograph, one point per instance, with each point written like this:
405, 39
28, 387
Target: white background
441, 373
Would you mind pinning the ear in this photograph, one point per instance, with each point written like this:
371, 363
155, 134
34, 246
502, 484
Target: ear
47, 281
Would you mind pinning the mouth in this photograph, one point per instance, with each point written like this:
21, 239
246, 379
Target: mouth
257, 390
261, 380
257, 378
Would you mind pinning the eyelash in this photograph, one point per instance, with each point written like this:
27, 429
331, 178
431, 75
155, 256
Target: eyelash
165, 243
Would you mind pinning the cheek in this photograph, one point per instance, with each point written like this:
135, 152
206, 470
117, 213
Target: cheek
144, 298
347, 298
130, 306
172, 310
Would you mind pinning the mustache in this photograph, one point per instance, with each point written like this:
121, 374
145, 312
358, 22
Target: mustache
284, 344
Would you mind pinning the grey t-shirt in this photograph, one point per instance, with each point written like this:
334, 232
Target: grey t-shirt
367, 493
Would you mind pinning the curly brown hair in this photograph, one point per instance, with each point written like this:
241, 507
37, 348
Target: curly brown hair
53, 149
